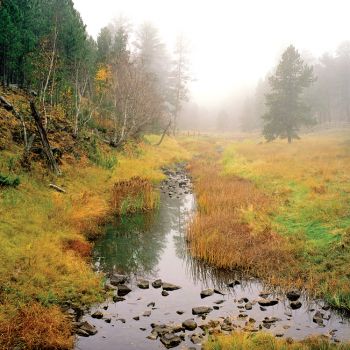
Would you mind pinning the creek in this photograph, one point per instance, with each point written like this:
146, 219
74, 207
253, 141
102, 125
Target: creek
153, 246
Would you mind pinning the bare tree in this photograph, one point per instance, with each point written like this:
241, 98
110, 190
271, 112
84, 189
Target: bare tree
179, 79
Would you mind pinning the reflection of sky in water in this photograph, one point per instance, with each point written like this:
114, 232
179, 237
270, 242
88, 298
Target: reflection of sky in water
153, 246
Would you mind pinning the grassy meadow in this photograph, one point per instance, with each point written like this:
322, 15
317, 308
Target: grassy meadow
264, 341
44, 234
278, 211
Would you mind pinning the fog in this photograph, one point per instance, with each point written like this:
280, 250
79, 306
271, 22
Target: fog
233, 43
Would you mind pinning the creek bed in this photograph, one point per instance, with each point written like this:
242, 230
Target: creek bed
153, 247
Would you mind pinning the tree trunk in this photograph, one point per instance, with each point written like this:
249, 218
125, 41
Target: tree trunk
164, 133
289, 139
44, 140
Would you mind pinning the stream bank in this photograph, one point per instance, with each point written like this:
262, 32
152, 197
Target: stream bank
138, 250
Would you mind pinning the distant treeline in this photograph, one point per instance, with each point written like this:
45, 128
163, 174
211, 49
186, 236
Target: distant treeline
328, 96
119, 86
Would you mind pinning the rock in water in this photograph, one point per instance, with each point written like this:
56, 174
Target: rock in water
207, 293
233, 283
267, 302
123, 290
201, 310
117, 299
116, 279
97, 314
293, 295
189, 324
165, 293
318, 318
196, 338
170, 286
88, 328
217, 291
248, 306
157, 283
147, 313
143, 284
82, 333
170, 340
295, 305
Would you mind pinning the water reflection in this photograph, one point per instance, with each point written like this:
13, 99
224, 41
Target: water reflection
130, 246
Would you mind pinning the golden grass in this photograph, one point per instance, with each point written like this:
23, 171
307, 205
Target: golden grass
36, 327
43, 233
264, 341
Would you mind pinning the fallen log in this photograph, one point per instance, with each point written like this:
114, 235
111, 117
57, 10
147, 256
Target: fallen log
57, 188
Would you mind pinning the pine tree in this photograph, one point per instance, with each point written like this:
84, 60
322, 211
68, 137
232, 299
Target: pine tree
287, 111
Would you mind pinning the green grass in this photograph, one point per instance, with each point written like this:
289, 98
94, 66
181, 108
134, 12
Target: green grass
309, 184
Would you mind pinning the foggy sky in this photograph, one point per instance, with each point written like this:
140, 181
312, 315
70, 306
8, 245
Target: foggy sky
233, 43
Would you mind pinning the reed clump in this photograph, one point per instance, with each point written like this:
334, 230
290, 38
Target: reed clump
133, 195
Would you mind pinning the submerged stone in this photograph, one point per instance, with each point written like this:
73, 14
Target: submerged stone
170, 287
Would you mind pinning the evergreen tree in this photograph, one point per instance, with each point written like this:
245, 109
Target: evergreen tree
287, 111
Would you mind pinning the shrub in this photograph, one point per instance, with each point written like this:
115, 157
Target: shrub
9, 181
104, 160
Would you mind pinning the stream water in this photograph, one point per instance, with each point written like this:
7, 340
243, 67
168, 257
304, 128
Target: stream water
154, 247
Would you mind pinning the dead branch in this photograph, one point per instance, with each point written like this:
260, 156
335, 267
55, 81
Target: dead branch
44, 140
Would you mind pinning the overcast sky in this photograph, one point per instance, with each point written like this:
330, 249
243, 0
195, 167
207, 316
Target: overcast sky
234, 43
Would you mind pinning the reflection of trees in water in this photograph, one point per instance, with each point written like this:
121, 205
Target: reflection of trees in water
130, 246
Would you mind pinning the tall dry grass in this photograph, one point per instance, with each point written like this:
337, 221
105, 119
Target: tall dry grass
264, 341
130, 196
35, 327
220, 234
